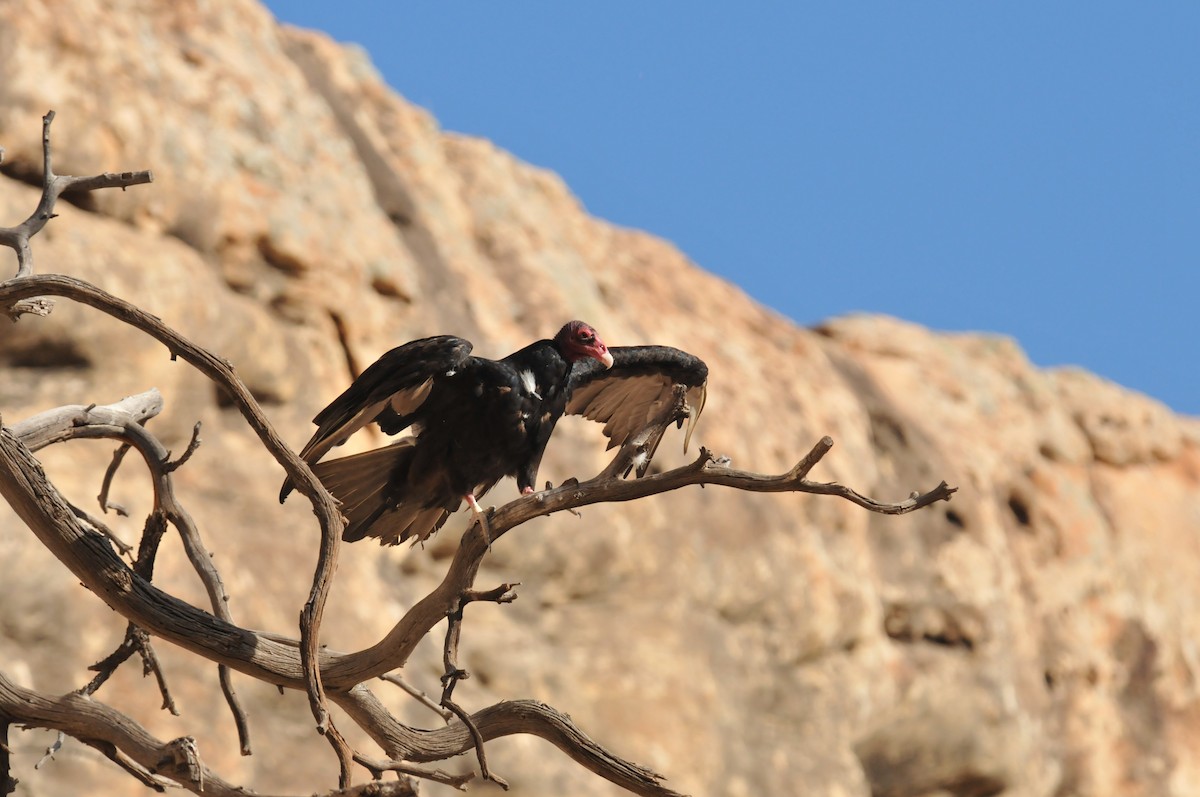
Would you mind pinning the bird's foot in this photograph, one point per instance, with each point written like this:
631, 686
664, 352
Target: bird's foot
480, 518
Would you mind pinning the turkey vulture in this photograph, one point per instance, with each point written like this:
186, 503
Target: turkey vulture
473, 421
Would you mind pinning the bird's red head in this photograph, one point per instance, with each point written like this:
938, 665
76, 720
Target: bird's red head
577, 340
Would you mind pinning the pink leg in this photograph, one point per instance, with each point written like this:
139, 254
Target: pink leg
480, 517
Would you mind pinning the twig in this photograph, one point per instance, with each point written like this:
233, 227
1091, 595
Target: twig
108, 665
136, 639
418, 695
138, 772
476, 739
377, 767
125, 548
53, 186
150, 666
109, 473
240, 720
501, 594
170, 466
454, 674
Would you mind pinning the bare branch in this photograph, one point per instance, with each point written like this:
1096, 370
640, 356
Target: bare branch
126, 420
122, 739
275, 659
222, 373
54, 426
17, 238
507, 718
170, 466
377, 768
125, 548
477, 740
418, 695
110, 473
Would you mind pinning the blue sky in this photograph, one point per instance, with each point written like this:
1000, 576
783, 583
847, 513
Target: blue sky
1025, 168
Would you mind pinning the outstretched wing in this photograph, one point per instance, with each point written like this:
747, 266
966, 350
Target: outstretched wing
627, 396
388, 392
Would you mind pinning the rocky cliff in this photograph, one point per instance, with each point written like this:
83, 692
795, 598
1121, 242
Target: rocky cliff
1036, 636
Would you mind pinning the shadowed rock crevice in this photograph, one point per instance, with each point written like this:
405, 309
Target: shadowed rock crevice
936, 744
45, 354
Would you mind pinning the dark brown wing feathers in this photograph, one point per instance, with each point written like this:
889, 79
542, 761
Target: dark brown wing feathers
473, 421
628, 395
388, 392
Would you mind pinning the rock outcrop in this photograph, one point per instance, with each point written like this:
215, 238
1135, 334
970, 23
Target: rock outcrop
1035, 636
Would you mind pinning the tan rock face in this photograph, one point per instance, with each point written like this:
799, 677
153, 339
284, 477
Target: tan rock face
1033, 636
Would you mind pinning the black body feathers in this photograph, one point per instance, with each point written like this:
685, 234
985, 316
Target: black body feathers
473, 421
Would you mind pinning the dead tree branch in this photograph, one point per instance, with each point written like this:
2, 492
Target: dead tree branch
125, 420
53, 186
120, 738
215, 368
377, 767
418, 695
222, 373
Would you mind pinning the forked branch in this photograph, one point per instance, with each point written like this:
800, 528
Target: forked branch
53, 186
222, 373
125, 421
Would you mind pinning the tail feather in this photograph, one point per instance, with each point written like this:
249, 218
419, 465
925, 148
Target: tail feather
373, 490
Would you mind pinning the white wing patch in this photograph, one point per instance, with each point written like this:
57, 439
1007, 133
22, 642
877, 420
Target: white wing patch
405, 402
529, 383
